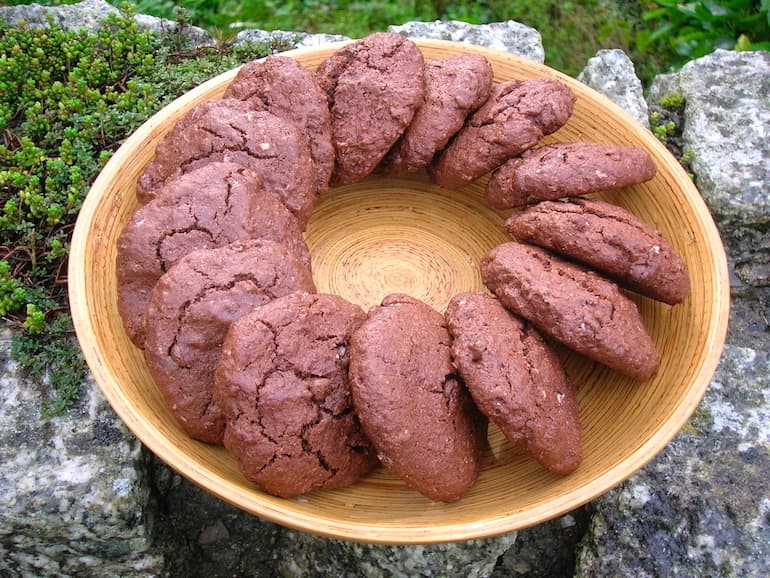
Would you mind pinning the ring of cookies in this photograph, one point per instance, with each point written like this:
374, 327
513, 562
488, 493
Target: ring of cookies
307, 390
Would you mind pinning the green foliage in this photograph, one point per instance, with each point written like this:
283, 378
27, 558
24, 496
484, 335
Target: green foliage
12, 293
683, 31
664, 116
672, 101
667, 124
658, 36
67, 101
660, 128
571, 31
54, 361
349, 17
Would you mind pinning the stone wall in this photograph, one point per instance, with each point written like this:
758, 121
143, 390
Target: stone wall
80, 496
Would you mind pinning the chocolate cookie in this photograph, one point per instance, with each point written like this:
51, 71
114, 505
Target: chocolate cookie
411, 404
517, 114
282, 383
208, 207
516, 380
454, 87
559, 170
190, 310
373, 86
572, 304
281, 85
230, 130
607, 238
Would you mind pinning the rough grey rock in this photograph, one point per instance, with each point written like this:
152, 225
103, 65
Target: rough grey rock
278, 40
702, 507
612, 73
727, 115
307, 555
72, 492
748, 249
546, 550
89, 15
192, 36
509, 36
199, 535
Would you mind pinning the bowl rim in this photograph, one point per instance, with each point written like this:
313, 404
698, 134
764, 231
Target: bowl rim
228, 491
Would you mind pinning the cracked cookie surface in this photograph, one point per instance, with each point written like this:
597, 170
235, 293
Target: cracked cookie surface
412, 405
282, 86
373, 87
282, 383
559, 170
231, 130
206, 208
610, 239
572, 304
190, 311
454, 88
517, 114
516, 380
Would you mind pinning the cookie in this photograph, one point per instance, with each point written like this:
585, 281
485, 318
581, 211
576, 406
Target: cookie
281, 85
572, 304
454, 87
373, 86
230, 130
282, 384
517, 114
516, 380
609, 239
560, 170
211, 206
412, 405
190, 309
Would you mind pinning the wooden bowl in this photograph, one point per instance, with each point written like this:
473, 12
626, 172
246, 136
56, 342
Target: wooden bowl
405, 234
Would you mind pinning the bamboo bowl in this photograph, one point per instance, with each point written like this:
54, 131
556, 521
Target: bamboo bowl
387, 234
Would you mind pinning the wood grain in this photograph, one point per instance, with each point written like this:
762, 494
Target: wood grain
404, 234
